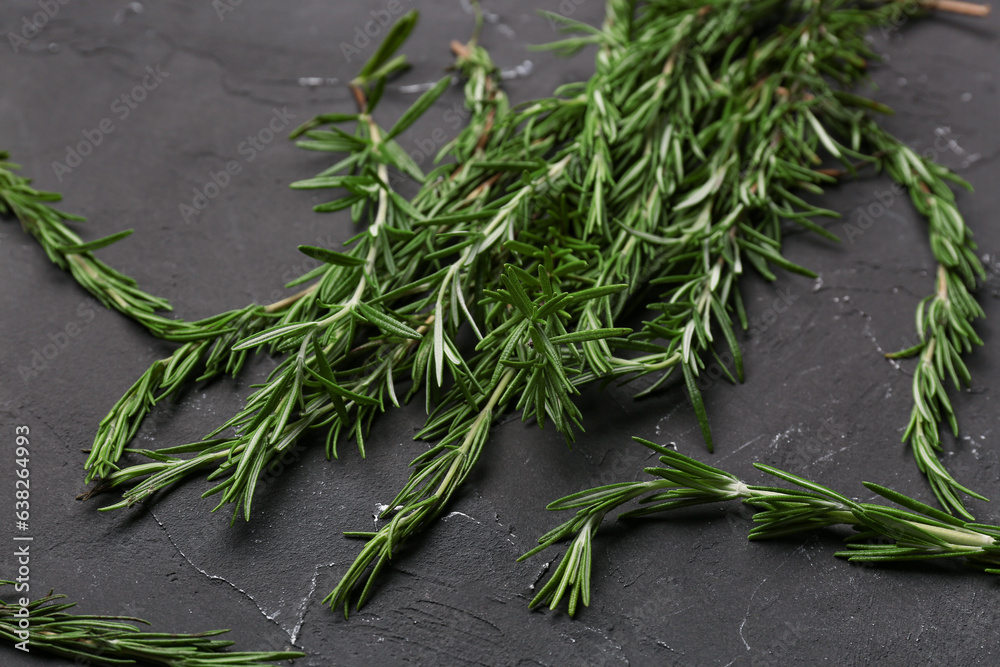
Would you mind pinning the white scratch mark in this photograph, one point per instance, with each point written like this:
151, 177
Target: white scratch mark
741, 447
750, 601
270, 617
747, 615
303, 606
830, 455
423, 87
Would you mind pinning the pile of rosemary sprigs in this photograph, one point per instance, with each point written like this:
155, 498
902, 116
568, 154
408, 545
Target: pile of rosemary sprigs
639, 196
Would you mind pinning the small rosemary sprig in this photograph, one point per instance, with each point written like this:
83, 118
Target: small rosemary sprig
115, 640
201, 359
884, 533
438, 473
943, 319
206, 345
68, 251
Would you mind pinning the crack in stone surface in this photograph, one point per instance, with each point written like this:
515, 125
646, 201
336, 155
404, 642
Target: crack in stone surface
304, 604
216, 577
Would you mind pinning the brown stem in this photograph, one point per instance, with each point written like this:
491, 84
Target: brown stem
359, 97
102, 487
957, 7
484, 136
460, 50
942, 286
860, 164
289, 300
482, 186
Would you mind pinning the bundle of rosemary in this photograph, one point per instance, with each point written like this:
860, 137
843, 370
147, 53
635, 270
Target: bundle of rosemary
597, 235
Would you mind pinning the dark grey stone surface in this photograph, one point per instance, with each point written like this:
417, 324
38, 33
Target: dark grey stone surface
690, 590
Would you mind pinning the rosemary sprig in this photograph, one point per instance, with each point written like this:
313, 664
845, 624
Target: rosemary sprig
438, 473
943, 319
69, 252
212, 355
115, 640
884, 533
207, 344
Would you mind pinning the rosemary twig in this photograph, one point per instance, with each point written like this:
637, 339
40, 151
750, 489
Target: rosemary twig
884, 533
68, 251
115, 640
944, 319
439, 472
211, 355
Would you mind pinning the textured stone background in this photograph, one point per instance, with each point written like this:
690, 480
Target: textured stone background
819, 398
